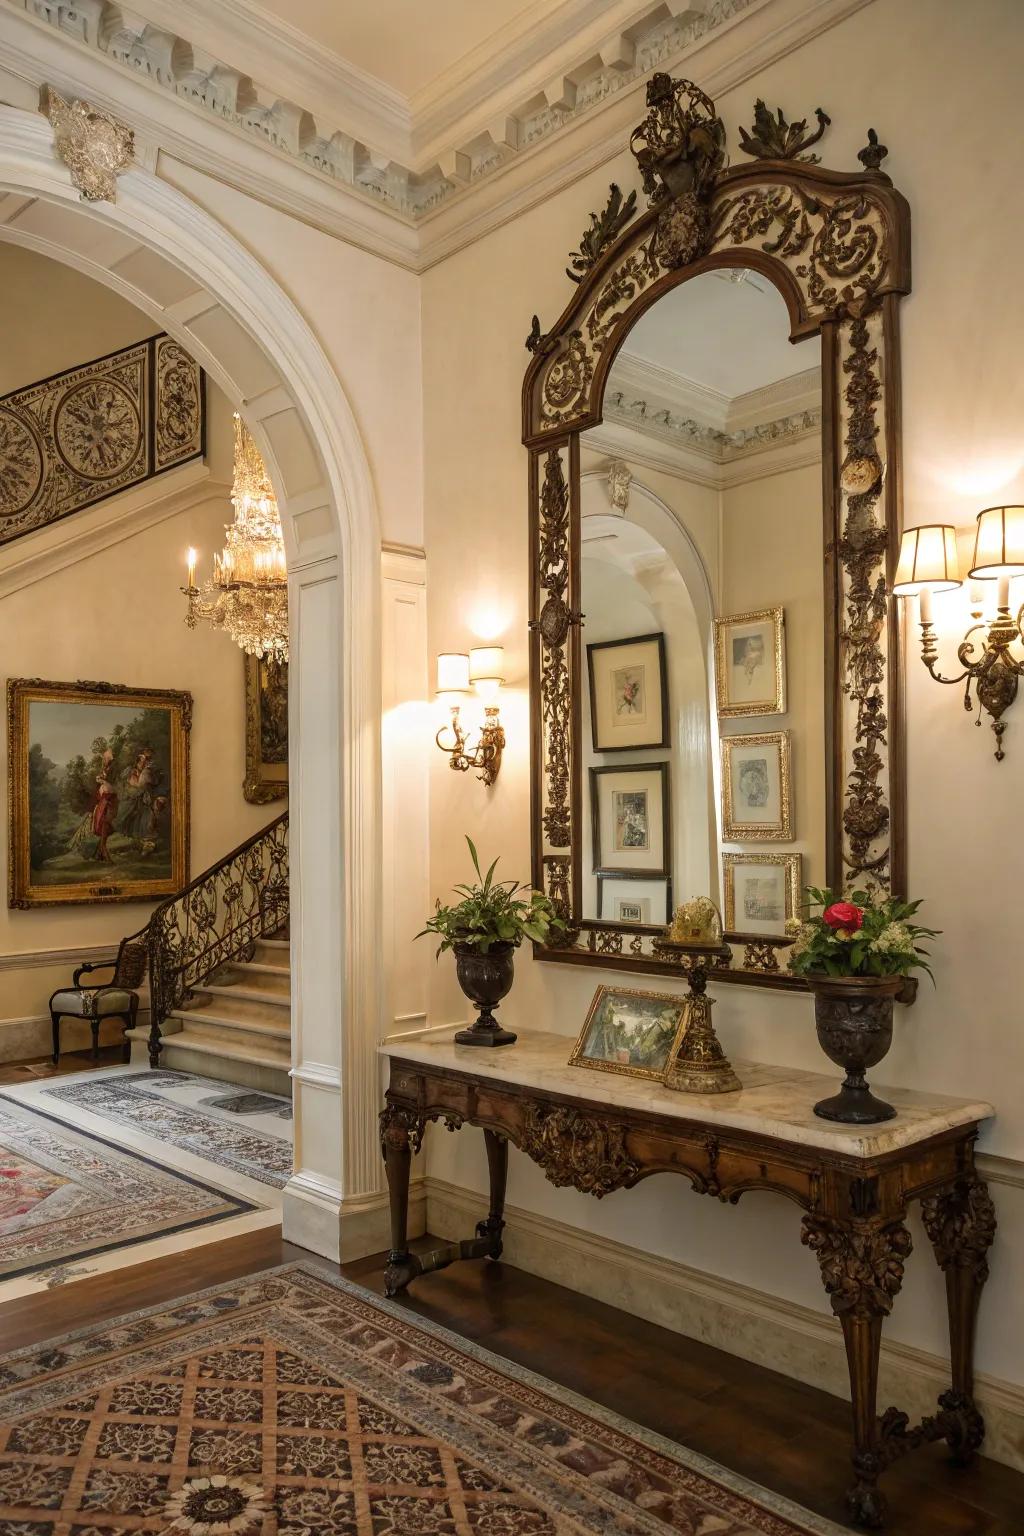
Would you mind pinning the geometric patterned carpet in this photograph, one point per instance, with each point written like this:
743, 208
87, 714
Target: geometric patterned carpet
67, 1195
294, 1403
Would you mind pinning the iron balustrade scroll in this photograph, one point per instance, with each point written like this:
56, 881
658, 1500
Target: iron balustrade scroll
836, 245
217, 918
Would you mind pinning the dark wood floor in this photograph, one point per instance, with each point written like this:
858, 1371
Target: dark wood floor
778, 1432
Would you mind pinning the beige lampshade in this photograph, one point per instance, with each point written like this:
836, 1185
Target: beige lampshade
452, 672
487, 664
927, 559
999, 543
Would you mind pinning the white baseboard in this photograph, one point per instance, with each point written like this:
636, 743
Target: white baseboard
780, 1335
315, 1215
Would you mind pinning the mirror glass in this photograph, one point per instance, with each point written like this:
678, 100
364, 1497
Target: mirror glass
703, 602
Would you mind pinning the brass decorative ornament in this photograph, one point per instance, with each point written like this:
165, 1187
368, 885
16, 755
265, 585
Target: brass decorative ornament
698, 1064
94, 146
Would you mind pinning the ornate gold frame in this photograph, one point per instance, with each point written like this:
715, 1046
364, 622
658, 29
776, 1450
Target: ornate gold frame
257, 787
577, 1059
778, 621
21, 692
758, 832
793, 863
837, 246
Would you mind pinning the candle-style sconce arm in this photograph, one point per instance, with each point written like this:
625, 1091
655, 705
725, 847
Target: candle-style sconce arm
485, 756
989, 667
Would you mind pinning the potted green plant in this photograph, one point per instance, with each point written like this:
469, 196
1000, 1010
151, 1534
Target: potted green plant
855, 956
485, 928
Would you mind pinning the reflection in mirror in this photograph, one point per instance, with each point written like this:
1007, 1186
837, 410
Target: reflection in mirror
703, 596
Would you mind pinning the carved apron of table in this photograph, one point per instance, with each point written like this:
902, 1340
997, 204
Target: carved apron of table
854, 1221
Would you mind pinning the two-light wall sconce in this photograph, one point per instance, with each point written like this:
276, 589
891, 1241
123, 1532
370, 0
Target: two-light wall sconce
928, 564
457, 672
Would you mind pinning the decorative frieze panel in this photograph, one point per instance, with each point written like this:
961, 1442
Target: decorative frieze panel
85, 434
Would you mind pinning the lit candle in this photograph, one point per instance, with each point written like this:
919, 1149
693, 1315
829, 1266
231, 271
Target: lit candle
925, 601
191, 567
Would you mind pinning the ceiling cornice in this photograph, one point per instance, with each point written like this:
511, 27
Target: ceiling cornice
276, 144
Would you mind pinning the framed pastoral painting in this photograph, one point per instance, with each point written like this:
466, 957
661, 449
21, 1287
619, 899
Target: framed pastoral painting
757, 788
266, 730
750, 663
629, 808
761, 891
98, 792
635, 1033
628, 694
623, 899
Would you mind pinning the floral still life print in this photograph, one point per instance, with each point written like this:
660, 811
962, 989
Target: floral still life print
297, 1404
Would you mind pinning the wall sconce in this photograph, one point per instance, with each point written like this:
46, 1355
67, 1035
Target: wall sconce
455, 673
928, 564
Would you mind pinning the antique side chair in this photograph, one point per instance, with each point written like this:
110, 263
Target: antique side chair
116, 999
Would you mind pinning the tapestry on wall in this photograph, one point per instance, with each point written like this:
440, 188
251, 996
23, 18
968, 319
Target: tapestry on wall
98, 792
298, 1403
266, 730
69, 441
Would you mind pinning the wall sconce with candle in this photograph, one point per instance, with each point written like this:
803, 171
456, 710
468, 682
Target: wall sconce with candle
456, 672
928, 564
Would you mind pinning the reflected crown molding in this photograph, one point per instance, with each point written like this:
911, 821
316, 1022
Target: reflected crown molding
263, 108
674, 455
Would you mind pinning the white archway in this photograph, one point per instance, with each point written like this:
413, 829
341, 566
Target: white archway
172, 260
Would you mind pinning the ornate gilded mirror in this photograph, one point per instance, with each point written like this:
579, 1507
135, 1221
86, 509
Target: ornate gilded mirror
713, 428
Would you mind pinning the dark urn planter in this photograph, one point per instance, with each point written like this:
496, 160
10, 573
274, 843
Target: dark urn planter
854, 1019
485, 979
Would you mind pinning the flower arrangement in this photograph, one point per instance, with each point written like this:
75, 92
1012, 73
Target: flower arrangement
859, 937
493, 912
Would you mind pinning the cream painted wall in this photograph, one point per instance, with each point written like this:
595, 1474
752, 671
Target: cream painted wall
963, 395
116, 616
365, 314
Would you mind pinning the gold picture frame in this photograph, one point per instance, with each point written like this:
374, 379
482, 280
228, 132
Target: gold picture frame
741, 917
98, 792
757, 775
744, 643
661, 1044
266, 730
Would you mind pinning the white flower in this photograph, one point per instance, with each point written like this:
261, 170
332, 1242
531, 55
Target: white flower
216, 1506
894, 939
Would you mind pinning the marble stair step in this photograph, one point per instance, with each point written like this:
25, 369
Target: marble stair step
274, 1027
274, 965
241, 1003
239, 1040
245, 979
228, 1063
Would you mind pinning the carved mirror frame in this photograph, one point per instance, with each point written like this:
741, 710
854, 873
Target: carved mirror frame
837, 247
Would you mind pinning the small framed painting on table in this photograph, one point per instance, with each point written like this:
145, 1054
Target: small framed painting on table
635, 1033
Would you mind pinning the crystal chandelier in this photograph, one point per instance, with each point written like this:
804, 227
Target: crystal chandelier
248, 592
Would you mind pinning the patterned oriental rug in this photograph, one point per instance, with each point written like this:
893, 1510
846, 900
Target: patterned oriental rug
66, 1194
239, 1129
294, 1403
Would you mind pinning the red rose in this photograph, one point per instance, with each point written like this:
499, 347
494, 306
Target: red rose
843, 914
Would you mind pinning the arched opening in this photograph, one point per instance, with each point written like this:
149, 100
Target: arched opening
177, 265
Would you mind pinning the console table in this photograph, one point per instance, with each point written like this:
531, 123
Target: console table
599, 1132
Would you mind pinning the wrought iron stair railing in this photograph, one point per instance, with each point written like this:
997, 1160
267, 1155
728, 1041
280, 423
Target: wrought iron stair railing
217, 918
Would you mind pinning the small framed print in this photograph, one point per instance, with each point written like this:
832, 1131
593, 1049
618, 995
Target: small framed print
756, 788
622, 899
750, 663
761, 891
635, 1033
629, 808
628, 694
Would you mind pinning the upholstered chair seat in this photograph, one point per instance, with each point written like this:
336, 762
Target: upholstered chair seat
91, 1002
118, 999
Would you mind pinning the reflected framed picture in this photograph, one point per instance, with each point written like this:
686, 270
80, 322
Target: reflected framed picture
750, 663
634, 1033
98, 792
623, 899
628, 694
266, 730
629, 807
757, 788
761, 891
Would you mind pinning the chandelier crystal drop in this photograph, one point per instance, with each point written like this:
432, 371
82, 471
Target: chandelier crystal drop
248, 593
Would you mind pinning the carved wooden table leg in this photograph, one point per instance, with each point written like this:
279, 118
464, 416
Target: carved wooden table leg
401, 1132
862, 1270
961, 1223
497, 1169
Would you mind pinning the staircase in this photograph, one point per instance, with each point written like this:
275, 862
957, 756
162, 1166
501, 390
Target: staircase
236, 1025
219, 979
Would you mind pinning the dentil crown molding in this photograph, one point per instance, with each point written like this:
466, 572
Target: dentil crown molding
270, 112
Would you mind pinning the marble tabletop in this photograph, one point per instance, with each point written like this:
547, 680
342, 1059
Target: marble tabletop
773, 1101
